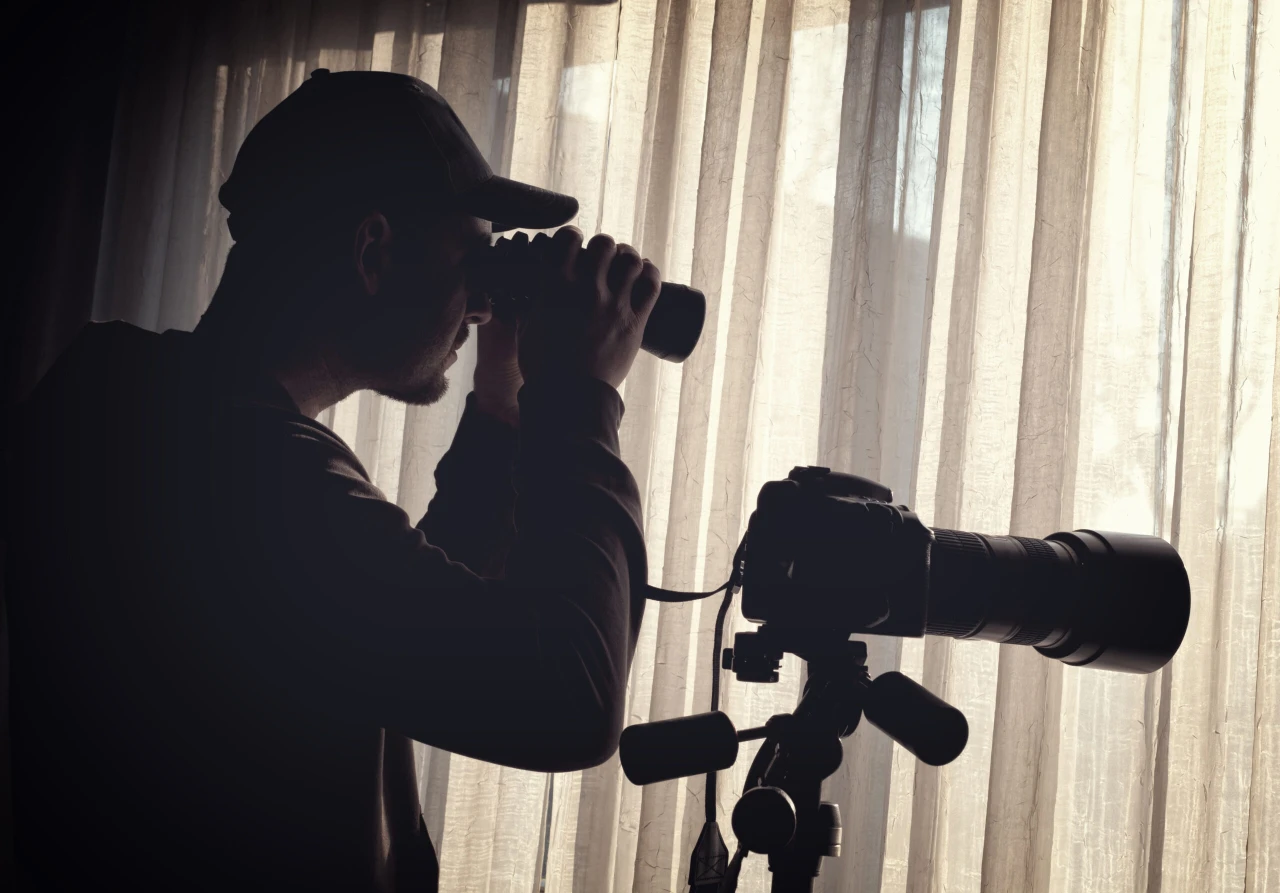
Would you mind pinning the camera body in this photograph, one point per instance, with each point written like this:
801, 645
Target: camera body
828, 555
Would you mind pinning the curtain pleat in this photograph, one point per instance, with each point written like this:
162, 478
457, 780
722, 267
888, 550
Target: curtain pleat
1015, 259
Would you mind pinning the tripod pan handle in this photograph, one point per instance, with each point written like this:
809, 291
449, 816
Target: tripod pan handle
916, 718
674, 748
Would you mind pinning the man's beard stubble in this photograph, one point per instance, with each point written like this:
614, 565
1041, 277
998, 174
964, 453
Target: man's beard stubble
430, 391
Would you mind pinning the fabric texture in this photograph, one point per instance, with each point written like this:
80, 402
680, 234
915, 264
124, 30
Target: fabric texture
1015, 259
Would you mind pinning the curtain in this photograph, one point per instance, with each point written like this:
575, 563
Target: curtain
1020, 261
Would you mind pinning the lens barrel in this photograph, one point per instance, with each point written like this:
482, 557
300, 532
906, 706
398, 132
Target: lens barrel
1115, 601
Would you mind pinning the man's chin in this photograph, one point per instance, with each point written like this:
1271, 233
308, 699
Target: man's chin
423, 394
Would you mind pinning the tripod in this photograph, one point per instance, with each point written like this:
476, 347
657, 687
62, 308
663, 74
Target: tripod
827, 555
781, 812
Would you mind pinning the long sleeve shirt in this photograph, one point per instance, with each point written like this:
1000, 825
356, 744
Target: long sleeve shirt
214, 615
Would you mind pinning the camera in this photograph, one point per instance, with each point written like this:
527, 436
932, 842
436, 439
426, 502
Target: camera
828, 556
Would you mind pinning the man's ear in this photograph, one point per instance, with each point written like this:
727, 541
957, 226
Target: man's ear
372, 249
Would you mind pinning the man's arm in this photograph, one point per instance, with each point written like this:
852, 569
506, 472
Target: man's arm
375, 625
370, 621
471, 517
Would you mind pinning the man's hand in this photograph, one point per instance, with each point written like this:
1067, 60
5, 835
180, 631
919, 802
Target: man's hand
497, 379
596, 302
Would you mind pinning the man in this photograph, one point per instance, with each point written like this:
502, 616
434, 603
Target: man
215, 615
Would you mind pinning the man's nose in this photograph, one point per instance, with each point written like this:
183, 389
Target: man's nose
479, 309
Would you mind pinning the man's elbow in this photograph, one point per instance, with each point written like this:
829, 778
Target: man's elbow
591, 702
601, 742
586, 737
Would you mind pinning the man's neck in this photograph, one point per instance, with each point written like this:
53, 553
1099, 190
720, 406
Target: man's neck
312, 380
308, 371
313, 385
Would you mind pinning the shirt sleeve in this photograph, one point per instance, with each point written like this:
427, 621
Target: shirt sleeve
471, 517
362, 617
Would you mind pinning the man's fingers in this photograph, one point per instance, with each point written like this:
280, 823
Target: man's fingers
596, 259
644, 292
566, 244
623, 271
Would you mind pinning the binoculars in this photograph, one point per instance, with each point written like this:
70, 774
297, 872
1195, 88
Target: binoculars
510, 273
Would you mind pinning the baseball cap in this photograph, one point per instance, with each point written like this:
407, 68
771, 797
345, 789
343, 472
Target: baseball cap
343, 134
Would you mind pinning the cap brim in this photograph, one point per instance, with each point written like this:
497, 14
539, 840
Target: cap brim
508, 204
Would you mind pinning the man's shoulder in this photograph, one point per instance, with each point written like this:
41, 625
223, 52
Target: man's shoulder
290, 442
103, 371
99, 352
114, 337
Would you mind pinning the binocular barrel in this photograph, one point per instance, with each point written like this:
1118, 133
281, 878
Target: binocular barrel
675, 322
510, 274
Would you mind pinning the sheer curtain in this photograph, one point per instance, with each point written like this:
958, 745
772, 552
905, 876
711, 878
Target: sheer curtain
1020, 261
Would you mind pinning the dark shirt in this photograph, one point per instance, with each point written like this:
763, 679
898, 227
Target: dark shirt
214, 615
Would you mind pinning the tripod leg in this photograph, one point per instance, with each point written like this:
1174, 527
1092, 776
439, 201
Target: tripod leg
787, 883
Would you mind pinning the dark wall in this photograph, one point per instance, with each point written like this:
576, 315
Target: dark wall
61, 65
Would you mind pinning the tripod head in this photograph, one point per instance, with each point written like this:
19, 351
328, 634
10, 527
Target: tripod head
780, 813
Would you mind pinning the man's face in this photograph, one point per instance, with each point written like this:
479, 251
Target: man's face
421, 308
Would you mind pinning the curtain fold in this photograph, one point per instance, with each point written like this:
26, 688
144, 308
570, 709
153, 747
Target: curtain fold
1016, 259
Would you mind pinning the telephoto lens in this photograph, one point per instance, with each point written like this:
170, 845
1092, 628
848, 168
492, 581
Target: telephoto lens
510, 272
1114, 601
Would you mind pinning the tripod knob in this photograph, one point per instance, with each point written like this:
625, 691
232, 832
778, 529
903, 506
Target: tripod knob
764, 820
828, 830
916, 718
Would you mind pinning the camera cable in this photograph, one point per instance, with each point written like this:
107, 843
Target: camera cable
728, 881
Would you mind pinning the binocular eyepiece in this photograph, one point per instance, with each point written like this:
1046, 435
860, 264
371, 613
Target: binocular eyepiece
511, 272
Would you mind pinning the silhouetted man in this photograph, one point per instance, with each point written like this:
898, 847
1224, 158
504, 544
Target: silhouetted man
215, 614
